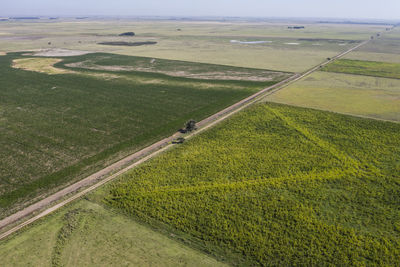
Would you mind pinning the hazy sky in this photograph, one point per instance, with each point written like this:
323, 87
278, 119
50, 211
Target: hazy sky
381, 9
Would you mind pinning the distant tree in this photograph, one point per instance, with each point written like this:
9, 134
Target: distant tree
190, 125
178, 140
127, 34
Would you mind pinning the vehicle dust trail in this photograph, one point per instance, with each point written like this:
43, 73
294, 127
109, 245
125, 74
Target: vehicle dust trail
113, 171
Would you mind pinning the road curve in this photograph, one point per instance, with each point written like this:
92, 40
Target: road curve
111, 172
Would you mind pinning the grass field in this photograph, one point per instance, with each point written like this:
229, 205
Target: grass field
56, 129
87, 234
373, 56
273, 185
278, 185
344, 93
361, 67
207, 42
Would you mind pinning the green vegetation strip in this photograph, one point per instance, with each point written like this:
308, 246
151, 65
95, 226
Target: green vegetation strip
369, 68
71, 223
277, 185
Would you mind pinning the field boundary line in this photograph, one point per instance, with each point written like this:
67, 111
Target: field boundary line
338, 154
96, 180
273, 181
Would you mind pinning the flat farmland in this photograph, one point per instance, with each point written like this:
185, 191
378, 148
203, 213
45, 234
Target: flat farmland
59, 125
385, 48
345, 93
273, 185
277, 185
373, 56
362, 67
208, 42
285, 181
88, 234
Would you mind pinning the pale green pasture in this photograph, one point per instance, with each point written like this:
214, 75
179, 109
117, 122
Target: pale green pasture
386, 48
370, 56
103, 238
350, 94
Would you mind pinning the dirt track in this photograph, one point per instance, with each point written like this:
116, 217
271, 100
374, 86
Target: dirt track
107, 174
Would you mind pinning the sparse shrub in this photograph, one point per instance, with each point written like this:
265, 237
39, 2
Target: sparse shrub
190, 125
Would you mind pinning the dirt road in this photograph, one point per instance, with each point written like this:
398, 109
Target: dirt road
107, 174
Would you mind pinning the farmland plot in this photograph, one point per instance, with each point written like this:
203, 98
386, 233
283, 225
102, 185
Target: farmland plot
373, 97
59, 125
277, 185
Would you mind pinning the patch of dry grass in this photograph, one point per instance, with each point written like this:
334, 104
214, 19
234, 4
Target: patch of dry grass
345, 93
44, 65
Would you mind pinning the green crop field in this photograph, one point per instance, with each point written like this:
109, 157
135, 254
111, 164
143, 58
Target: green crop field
207, 42
58, 125
278, 185
273, 185
344, 93
360, 67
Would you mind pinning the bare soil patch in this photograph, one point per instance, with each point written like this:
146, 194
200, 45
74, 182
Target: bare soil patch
129, 43
59, 52
25, 37
90, 66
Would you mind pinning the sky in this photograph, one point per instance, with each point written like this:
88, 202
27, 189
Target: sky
372, 9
